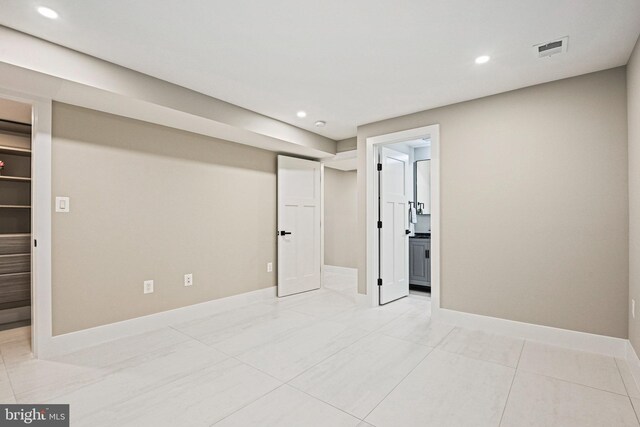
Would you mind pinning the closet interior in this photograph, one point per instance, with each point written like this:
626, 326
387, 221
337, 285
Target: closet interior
15, 214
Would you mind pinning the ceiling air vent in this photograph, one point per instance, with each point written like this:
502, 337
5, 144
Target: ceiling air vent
547, 49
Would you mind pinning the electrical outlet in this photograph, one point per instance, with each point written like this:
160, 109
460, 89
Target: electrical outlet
269, 267
188, 279
633, 308
148, 286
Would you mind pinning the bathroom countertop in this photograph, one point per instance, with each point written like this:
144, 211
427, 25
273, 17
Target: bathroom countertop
421, 236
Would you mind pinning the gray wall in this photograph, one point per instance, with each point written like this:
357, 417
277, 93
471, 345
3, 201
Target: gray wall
534, 203
340, 218
633, 104
149, 202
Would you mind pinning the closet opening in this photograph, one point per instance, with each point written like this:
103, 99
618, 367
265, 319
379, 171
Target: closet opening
15, 214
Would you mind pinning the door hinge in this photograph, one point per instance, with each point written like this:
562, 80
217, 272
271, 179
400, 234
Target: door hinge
379, 224
379, 166
35, 243
379, 282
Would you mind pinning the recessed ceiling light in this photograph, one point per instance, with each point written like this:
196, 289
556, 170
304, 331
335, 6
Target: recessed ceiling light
301, 114
320, 123
47, 13
482, 59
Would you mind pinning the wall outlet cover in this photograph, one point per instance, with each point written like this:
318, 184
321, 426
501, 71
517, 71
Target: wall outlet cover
269, 267
148, 286
188, 279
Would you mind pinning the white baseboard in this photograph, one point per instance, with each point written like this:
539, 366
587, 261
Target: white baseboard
600, 344
73, 341
340, 270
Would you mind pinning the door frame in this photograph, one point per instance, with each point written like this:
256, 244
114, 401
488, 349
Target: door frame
41, 121
372, 149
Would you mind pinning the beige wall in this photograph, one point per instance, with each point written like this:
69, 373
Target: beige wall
633, 111
15, 111
534, 203
149, 202
340, 218
347, 144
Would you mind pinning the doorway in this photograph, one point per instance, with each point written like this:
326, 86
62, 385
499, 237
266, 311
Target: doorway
15, 214
36, 113
375, 244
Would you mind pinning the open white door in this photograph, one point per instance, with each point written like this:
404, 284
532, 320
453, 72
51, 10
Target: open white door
394, 188
298, 225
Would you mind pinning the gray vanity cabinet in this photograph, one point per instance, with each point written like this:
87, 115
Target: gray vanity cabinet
420, 262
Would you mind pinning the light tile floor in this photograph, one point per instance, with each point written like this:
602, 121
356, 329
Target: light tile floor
318, 359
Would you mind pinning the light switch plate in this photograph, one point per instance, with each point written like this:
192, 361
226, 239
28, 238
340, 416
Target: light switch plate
62, 204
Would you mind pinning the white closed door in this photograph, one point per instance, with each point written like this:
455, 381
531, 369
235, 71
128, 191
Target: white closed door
395, 190
298, 225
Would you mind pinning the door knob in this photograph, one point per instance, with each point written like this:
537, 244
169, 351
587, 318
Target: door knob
407, 231
284, 233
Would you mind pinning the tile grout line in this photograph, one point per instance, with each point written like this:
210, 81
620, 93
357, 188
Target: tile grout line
325, 402
286, 383
460, 328
476, 358
399, 382
633, 408
621, 377
331, 355
513, 380
574, 383
258, 369
6, 371
13, 391
248, 403
438, 346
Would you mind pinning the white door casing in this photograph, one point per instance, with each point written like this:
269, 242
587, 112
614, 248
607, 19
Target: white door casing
299, 213
395, 191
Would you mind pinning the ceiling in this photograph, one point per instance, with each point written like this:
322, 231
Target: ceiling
347, 62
